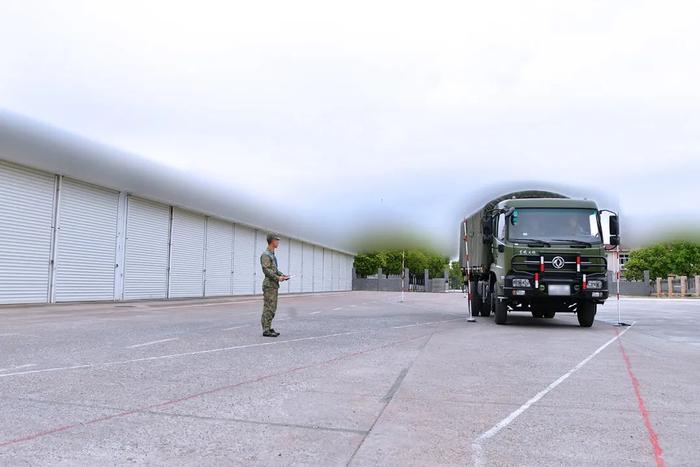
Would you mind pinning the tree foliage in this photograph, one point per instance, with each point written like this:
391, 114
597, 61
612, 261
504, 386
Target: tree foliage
416, 260
680, 258
456, 276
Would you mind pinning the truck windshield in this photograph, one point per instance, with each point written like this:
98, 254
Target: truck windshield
556, 225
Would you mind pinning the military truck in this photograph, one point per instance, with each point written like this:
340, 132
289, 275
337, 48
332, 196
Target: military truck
538, 252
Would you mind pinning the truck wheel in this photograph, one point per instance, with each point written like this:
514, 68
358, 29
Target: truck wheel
549, 314
500, 309
474, 299
537, 314
586, 314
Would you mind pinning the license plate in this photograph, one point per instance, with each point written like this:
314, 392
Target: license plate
559, 290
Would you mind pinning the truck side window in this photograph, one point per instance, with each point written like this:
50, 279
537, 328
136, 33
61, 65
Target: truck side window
501, 227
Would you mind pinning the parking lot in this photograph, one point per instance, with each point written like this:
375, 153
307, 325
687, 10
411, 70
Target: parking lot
355, 378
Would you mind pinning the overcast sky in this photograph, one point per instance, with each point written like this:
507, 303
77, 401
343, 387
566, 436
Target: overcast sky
410, 112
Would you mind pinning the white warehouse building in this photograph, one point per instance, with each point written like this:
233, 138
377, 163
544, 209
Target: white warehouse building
81, 222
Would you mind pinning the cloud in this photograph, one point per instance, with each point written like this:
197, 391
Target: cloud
388, 110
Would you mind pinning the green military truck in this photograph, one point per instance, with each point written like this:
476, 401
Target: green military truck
538, 252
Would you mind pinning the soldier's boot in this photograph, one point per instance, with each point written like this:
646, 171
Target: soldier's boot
270, 333
277, 333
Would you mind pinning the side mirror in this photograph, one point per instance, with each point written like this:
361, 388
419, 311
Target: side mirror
614, 227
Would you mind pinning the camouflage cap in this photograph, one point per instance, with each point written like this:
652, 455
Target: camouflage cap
272, 236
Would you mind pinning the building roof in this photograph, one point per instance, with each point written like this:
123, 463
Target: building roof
40, 146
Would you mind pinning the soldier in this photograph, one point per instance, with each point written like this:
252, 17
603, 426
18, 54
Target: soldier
271, 284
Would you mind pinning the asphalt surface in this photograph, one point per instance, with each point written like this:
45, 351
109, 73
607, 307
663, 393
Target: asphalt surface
355, 379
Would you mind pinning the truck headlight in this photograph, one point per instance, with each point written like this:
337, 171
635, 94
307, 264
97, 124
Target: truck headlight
594, 284
521, 282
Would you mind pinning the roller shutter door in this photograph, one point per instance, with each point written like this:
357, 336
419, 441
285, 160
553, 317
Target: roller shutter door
219, 263
244, 260
26, 213
147, 239
336, 271
282, 255
327, 270
260, 245
307, 284
318, 269
87, 243
187, 255
351, 261
295, 259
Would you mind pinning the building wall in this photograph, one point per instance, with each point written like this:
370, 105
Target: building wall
63, 240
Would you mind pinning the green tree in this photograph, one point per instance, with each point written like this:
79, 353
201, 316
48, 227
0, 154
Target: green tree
679, 257
367, 264
456, 277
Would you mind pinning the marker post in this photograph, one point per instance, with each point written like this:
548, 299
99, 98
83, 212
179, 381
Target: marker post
617, 277
470, 318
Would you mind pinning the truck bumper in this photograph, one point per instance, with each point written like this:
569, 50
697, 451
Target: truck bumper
556, 288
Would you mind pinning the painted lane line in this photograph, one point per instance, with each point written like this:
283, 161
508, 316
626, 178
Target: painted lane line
152, 343
339, 308
653, 437
198, 352
236, 327
146, 409
493, 431
314, 313
426, 324
29, 365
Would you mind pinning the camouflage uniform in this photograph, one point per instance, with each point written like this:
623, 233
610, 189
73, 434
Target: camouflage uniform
270, 287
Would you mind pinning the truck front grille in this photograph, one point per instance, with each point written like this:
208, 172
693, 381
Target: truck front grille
532, 264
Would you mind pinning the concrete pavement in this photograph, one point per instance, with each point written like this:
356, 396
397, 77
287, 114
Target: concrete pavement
355, 379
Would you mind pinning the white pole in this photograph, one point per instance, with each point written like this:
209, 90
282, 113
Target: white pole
403, 273
470, 318
617, 260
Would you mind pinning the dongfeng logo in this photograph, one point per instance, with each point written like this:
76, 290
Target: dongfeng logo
558, 262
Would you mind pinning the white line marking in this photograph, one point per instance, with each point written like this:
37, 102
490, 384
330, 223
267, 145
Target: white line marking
339, 308
427, 324
477, 444
29, 365
314, 313
199, 352
236, 327
151, 343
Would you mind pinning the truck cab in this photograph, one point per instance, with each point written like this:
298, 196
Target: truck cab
539, 255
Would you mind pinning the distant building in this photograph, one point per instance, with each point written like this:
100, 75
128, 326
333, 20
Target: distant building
83, 222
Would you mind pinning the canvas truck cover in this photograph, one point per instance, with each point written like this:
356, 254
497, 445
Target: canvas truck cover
479, 252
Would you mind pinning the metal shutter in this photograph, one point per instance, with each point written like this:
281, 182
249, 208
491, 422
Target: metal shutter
307, 268
260, 245
26, 213
219, 263
351, 265
187, 255
327, 270
282, 255
295, 258
318, 269
336, 271
244, 260
147, 239
86, 243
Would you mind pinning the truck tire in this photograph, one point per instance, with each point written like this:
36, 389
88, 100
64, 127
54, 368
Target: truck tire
549, 314
537, 314
586, 314
474, 299
500, 309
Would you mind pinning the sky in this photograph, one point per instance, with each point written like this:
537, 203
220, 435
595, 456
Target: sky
404, 114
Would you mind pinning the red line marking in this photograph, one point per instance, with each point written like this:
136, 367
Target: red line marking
653, 437
61, 429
